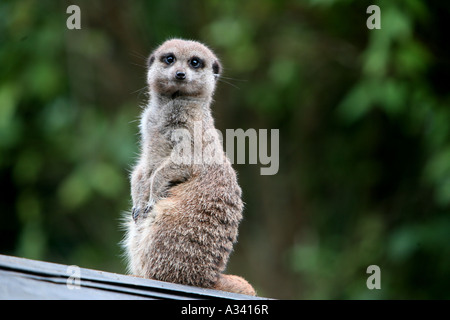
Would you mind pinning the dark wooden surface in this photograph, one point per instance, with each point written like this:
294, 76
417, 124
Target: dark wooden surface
30, 279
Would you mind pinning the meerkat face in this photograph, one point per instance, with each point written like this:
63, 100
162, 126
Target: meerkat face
183, 68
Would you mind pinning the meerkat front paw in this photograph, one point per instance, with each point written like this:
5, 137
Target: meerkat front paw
141, 212
135, 213
149, 207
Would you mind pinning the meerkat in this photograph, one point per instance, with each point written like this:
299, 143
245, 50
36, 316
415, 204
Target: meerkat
185, 214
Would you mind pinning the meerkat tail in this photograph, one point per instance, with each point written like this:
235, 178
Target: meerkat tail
235, 284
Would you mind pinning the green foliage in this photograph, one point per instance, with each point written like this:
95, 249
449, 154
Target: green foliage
364, 135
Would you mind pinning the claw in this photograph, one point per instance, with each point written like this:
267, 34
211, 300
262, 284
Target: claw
135, 214
148, 208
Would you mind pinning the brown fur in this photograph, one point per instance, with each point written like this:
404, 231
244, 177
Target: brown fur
186, 216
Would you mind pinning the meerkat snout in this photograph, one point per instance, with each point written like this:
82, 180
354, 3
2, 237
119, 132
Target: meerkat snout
180, 75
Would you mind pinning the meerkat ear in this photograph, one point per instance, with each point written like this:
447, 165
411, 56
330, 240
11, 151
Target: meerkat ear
217, 68
150, 60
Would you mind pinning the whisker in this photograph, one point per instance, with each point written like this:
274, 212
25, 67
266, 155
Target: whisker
139, 65
137, 55
234, 79
229, 83
142, 59
140, 92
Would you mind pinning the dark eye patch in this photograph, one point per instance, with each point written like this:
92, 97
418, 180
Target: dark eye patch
196, 63
168, 58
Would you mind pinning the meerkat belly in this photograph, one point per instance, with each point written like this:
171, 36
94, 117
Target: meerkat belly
192, 236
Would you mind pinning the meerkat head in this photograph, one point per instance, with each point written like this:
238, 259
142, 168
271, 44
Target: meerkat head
183, 68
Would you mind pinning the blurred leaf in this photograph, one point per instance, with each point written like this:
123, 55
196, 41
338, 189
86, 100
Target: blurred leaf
27, 167
412, 59
357, 102
75, 190
282, 71
106, 179
32, 242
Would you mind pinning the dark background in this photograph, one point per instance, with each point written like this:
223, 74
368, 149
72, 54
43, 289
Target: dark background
364, 124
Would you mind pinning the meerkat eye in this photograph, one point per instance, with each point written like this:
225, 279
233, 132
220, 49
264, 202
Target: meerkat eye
196, 63
169, 59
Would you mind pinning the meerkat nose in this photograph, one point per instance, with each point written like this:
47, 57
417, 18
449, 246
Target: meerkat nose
180, 75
